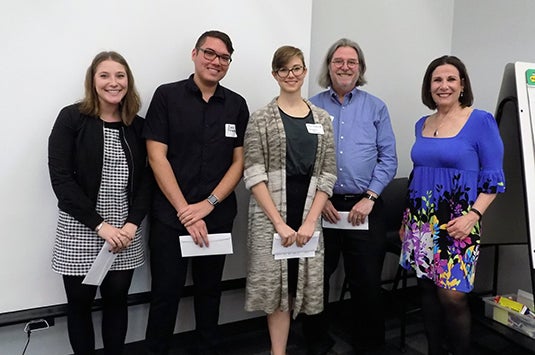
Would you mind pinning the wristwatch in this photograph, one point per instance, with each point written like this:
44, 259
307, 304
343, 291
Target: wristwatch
370, 197
213, 200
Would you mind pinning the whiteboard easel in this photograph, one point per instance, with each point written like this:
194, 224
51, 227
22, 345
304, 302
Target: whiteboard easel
511, 218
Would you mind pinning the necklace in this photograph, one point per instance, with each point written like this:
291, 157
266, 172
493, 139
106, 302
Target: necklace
435, 133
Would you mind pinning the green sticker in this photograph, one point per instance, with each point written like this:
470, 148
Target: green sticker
530, 76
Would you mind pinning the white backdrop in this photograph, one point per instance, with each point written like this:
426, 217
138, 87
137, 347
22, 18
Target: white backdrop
46, 48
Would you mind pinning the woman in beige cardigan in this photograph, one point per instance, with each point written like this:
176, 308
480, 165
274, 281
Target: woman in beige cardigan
290, 169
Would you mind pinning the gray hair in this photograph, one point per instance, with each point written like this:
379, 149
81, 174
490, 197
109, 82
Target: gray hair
324, 77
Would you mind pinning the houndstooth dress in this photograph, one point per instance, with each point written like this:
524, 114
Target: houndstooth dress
76, 245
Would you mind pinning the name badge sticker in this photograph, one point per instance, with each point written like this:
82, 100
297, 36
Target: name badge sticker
315, 128
230, 130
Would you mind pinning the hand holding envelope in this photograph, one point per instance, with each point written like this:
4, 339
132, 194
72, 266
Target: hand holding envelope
220, 243
100, 266
344, 223
293, 251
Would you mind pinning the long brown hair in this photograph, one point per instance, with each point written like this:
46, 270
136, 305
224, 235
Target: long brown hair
131, 102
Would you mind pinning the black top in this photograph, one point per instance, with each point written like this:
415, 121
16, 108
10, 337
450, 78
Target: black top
75, 160
301, 145
200, 138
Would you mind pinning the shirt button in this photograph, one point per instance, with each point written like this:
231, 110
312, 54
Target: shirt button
341, 152
341, 137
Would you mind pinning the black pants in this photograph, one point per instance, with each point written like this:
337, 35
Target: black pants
80, 297
169, 270
363, 253
296, 194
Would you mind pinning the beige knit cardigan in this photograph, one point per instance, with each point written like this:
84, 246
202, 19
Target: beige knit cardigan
265, 161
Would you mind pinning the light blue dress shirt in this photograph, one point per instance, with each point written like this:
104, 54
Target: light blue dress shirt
364, 141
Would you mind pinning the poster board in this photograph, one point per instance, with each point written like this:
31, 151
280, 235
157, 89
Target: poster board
525, 87
511, 218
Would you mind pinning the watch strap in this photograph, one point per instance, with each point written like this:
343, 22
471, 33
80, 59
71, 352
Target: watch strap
370, 197
213, 200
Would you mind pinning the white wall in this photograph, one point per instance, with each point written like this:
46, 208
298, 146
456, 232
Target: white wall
46, 48
48, 45
399, 39
489, 34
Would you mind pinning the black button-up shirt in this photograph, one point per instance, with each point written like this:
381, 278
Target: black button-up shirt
200, 138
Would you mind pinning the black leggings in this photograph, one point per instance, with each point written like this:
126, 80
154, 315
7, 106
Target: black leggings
296, 194
446, 318
80, 297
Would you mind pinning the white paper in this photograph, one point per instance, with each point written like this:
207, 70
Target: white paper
315, 128
293, 251
220, 243
101, 266
343, 223
230, 130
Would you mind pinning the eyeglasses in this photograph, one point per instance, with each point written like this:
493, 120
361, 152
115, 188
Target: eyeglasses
210, 54
296, 71
351, 63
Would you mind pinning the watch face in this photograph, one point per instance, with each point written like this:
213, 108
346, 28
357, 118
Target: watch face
213, 200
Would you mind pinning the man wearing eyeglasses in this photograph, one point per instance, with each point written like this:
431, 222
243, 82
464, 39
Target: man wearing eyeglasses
194, 130
366, 162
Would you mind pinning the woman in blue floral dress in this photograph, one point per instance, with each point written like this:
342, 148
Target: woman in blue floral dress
457, 157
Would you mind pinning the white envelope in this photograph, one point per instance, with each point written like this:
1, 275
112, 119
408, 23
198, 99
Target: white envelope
343, 223
293, 251
101, 266
220, 243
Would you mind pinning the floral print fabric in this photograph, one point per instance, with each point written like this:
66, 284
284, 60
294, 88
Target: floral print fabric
447, 177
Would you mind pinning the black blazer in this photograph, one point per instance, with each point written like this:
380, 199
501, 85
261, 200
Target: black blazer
75, 159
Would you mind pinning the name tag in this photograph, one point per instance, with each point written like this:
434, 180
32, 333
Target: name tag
315, 128
230, 130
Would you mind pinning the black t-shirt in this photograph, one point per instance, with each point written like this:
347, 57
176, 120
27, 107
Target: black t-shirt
301, 145
200, 138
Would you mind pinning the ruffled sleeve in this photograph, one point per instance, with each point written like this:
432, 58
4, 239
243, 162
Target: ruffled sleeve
491, 178
491, 182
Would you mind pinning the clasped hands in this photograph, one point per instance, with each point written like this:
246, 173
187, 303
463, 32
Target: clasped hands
118, 238
191, 216
289, 235
356, 216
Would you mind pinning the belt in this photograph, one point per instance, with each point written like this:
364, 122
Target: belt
347, 197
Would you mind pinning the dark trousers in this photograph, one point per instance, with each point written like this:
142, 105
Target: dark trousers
363, 252
80, 297
168, 270
296, 194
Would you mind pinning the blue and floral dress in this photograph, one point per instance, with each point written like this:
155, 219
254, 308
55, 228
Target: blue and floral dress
447, 176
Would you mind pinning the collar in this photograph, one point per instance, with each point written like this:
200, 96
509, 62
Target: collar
347, 97
219, 93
